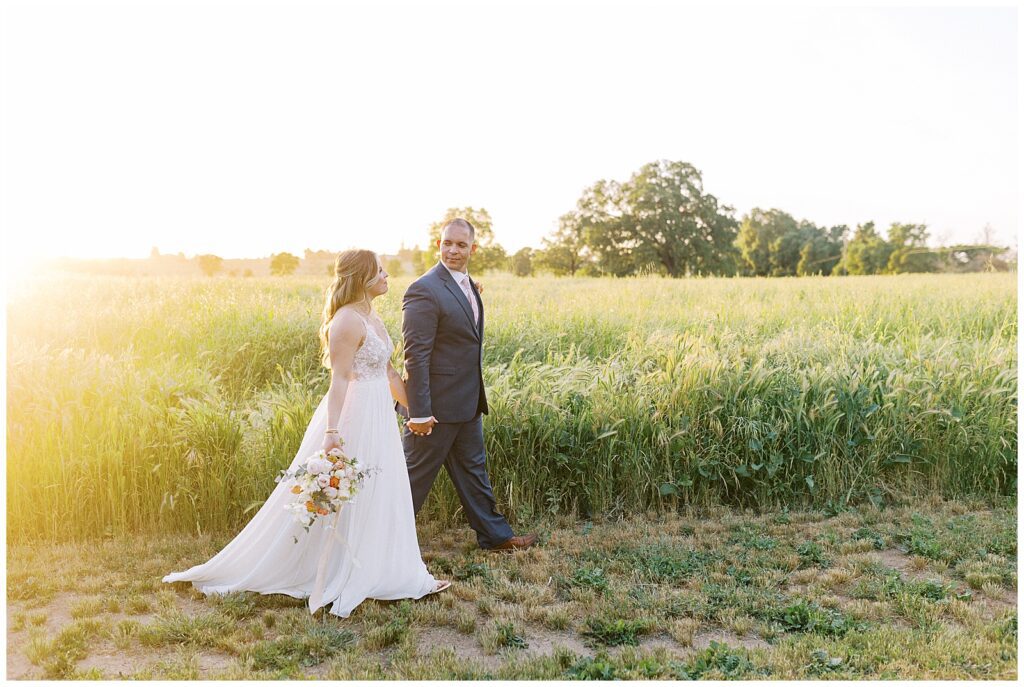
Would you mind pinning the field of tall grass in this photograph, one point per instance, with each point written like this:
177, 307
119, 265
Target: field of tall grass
169, 405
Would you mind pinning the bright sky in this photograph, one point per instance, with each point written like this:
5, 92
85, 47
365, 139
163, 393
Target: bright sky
243, 129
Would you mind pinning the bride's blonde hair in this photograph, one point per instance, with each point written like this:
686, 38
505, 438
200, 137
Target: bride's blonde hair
355, 271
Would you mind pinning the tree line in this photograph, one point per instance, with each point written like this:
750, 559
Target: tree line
662, 221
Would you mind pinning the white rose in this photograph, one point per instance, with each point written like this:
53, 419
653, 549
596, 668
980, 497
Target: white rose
318, 466
330, 492
323, 480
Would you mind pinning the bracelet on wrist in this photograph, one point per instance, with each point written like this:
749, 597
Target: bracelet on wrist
330, 431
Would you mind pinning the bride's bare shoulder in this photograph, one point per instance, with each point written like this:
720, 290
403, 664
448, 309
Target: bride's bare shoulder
347, 324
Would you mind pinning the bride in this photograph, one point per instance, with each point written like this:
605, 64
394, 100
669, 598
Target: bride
372, 552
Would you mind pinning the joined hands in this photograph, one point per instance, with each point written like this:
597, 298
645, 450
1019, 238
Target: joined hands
422, 428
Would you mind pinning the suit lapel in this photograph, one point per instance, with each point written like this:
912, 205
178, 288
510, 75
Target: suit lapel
458, 294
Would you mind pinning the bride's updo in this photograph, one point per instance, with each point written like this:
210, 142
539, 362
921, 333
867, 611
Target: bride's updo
355, 271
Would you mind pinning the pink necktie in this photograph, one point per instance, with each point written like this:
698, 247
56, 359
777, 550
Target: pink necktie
472, 301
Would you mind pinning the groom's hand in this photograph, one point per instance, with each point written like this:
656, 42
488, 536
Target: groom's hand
422, 428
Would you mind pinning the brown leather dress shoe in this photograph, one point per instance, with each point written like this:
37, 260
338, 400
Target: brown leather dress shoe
516, 543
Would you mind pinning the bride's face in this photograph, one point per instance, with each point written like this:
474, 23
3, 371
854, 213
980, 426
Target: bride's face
380, 287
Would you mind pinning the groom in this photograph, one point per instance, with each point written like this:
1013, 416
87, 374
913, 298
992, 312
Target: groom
443, 328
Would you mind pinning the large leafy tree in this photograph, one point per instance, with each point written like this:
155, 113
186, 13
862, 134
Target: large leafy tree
489, 253
283, 264
210, 264
599, 212
522, 262
660, 219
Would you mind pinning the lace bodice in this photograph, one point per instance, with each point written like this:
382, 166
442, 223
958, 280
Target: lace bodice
371, 359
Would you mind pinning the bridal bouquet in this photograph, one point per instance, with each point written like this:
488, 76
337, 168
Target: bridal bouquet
322, 484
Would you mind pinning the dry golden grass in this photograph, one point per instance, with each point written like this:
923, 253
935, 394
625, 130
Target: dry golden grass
673, 586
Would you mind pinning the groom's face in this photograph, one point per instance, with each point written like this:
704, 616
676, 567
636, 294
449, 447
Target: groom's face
456, 245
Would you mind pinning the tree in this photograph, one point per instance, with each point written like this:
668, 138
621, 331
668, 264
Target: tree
283, 264
772, 243
600, 215
522, 262
867, 252
428, 259
660, 219
910, 251
210, 264
493, 257
676, 224
822, 253
786, 250
565, 252
489, 254
758, 232
393, 266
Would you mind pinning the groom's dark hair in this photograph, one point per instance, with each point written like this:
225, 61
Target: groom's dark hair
459, 222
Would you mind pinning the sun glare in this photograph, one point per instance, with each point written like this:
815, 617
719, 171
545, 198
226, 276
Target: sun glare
20, 268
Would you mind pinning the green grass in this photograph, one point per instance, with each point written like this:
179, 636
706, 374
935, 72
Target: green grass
388, 629
708, 593
502, 636
58, 655
590, 577
148, 418
315, 645
616, 631
178, 629
169, 405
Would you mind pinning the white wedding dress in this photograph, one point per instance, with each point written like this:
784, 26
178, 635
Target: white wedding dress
373, 553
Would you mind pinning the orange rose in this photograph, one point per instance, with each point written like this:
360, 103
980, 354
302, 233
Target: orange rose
322, 511
296, 489
335, 481
310, 507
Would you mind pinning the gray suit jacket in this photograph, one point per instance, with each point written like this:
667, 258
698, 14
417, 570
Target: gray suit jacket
443, 349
